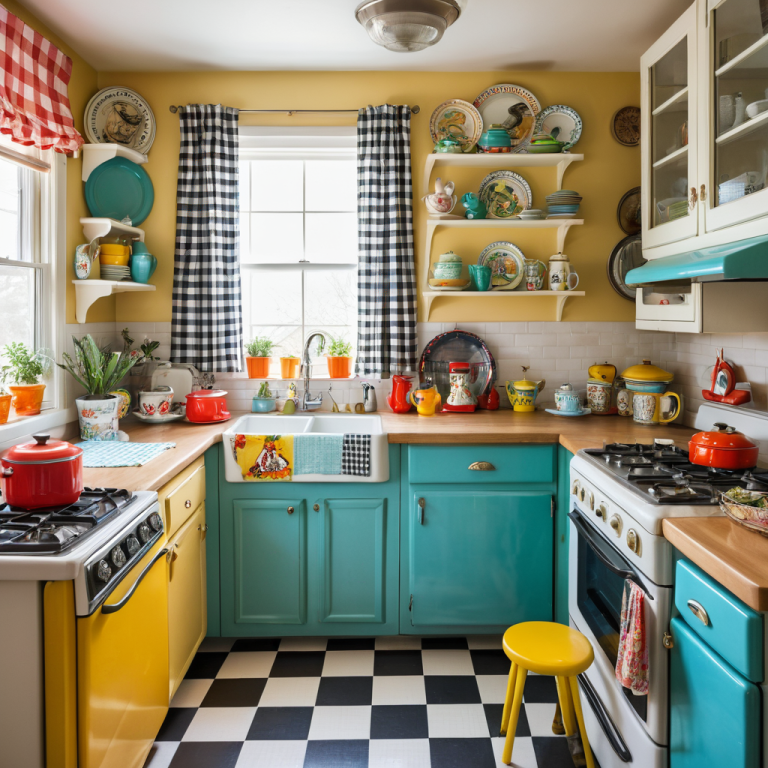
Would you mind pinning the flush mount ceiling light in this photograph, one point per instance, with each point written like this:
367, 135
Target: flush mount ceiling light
407, 25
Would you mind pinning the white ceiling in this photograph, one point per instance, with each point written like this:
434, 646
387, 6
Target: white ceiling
154, 35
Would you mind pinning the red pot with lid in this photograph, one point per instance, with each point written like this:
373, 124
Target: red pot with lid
723, 448
207, 405
42, 473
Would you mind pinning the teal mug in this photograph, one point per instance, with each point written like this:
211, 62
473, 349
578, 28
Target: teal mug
143, 266
480, 277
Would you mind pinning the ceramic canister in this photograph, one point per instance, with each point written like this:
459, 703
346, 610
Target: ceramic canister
567, 400
98, 417
624, 402
599, 395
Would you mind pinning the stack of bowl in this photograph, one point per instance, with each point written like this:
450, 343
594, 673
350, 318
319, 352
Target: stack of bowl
114, 261
563, 204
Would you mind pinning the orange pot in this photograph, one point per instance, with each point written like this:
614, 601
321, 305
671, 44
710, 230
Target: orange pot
258, 367
339, 367
5, 407
289, 367
27, 398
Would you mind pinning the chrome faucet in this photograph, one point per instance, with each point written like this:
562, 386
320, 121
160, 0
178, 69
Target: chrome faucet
309, 403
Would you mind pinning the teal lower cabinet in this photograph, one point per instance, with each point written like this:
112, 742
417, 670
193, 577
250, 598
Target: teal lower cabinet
562, 529
715, 711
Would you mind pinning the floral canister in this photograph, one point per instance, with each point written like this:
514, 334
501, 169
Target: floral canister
97, 415
599, 396
448, 266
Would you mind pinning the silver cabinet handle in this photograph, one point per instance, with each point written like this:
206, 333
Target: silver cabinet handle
482, 466
422, 503
698, 610
188, 503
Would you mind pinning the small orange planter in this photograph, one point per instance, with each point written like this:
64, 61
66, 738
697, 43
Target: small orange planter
27, 398
5, 407
258, 367
339, 367
289, 367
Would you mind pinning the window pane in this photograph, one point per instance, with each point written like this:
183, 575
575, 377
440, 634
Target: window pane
9, 235
10, 177
245, 237
245, 186
331, 238
330, 298
277, 185
331, 185
17, 305
276, 238
274, 297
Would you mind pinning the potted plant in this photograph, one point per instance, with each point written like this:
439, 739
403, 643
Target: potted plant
289, 366
99, 371
339, 358
265, 400
23, 370
5, 405
258, 357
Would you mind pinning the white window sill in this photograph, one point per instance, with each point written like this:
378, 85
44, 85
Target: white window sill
14, 431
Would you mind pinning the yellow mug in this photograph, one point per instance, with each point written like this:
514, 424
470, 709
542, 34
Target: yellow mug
427, 401
646, 407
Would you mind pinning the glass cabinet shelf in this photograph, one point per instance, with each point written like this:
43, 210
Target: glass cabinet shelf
677, 154
754, 57
676, 103
747, 127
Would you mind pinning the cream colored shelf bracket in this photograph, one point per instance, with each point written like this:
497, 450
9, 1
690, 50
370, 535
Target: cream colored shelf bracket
89, 291
560, 297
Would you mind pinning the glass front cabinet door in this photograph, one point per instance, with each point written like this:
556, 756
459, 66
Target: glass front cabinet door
668, 135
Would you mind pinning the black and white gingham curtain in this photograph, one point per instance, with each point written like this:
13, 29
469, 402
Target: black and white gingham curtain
386, 303
207, 328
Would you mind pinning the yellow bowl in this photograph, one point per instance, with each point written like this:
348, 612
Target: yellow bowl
114, 261
113, 249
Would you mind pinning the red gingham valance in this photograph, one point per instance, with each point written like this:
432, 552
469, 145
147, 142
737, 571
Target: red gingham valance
34, 105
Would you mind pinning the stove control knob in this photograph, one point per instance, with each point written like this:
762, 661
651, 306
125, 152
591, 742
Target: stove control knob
118, 557
156, 521
582, 493
144, 533
615, 523
132, 545
602, 512
633, 541
575, 489
591, 500
103, 571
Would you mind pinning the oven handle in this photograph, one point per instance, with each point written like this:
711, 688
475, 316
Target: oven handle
115, 607
606, 723
595, 543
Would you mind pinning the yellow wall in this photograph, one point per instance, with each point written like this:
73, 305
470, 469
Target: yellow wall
608, 171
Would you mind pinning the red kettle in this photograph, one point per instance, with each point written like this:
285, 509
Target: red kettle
397, 399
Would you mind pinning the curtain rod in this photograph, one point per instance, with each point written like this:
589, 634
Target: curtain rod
180, 108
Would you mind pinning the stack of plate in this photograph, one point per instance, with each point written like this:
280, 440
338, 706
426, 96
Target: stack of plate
109, 272
531, 214
563, 204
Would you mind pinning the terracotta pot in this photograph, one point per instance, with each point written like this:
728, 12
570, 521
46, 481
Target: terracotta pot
339, 367
5, 407
289, 367
27, 398
258, 367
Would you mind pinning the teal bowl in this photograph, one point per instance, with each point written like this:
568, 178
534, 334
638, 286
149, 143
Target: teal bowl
659, 387
263, 404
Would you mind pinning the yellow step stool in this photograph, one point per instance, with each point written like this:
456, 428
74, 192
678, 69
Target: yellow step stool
546, 649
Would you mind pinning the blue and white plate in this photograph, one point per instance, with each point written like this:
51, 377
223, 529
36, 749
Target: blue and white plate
561, 122
582, 412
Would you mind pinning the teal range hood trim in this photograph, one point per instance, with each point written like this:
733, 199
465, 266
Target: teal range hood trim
744, 259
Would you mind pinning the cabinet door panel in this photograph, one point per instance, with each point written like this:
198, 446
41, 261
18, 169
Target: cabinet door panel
270, 561
480, 558
352, 556
715, 712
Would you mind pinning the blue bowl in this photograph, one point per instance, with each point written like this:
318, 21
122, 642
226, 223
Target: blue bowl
263, 404
564, 208
659, 387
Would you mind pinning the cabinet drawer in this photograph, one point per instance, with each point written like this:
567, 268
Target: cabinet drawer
732, 628
453, 464
183, 496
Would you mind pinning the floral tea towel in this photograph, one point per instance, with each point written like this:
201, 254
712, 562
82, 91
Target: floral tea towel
264, 457
632, 661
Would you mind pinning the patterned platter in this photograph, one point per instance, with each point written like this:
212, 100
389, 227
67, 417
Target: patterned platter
118, 115
625, 126
514, 108
505, 194
560, 122
458, 120
506, 263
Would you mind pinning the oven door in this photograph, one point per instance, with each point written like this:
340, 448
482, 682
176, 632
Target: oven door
597, 573
122, 667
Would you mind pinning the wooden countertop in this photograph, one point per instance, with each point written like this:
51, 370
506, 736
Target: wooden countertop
729, 553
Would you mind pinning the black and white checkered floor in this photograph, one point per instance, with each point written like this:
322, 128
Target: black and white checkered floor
389, 702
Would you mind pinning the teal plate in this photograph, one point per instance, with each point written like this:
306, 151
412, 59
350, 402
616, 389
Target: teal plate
119, 188
582, 412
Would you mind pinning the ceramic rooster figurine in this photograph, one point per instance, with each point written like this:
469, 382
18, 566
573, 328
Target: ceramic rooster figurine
443, 200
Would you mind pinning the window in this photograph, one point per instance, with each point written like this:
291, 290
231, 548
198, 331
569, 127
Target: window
298, 236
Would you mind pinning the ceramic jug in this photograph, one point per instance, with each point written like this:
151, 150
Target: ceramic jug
649, 407
461, 399
559, 269
522, 394
397, 399
427, 401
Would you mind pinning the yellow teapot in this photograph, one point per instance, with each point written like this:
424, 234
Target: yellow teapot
427, 401
522, 394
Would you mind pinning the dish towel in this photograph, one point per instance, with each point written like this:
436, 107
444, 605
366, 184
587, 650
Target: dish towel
632, 661
356, 455
264, 457
318, 454
108, 453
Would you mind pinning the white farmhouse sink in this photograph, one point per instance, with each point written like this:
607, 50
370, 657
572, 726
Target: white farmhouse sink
315, 424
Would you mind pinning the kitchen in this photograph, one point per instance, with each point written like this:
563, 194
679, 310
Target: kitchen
494, 461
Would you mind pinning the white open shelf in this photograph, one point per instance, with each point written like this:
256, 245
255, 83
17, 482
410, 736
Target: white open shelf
671, 157
747, 127
88, 291
560, 297
94, 228
96, 154
754, 57
677, 103
499, 161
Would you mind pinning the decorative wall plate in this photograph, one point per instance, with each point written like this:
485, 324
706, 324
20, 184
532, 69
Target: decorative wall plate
458, 120
628, 212
560, 122
120, 116
505, 194
625, 126
506, 263
627, 255
513, 107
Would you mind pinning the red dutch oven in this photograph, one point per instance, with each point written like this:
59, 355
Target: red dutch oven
723, 448
44, 473
207, 405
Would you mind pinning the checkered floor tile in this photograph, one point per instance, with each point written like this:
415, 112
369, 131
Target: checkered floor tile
389, 702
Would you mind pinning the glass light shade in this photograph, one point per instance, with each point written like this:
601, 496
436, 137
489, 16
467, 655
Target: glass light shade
406, 32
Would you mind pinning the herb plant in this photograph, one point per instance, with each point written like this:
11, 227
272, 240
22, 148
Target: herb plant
23, 365
99, 370
339, 347
260, 346
265, 393
148, 347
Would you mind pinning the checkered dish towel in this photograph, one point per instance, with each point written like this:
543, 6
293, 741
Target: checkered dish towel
356, 455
